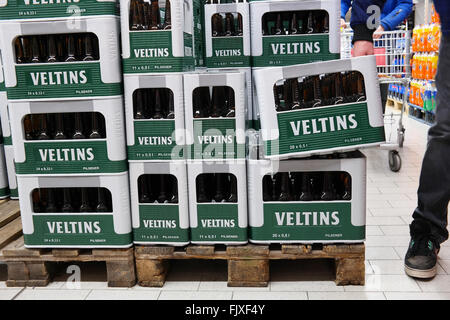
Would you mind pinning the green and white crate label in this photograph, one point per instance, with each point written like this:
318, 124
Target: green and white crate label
218, 222
324, 128
52, 81
38, 9
160, 223
68, 157
290, 50
228, 52
307, 222
152, 52
216, 138
155, 139
4, 192
75, 230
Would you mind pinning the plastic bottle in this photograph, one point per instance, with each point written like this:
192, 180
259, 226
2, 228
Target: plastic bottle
427, 96
436, 36
434, 64
415, 39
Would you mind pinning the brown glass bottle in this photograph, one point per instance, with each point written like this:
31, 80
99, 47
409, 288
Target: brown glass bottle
267, 188
88, 49
101, 203
233, 196
316, 90
306, 193
202, 195
158, 107
277, 98
138, 105
147, 15
155, 16
162, 196
95, 130
35, 50
361, 96
78, 130
144, 195
217, 25
219, 195
293, 26
20, 53
52, 52
240, 26
287, 95
230, 109
85, 205
51, 201
347, 187
328, 193
37, 207
310, 23
28, 127
174, 195
205, 98
67, 201
71, 50
43, 134
167, 17
338, 92
279, 30
197, 104
230, 29
170, 105
295, 94
134, 15
285, 187
218, 98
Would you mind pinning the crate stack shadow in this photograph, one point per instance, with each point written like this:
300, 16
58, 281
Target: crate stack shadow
63, 79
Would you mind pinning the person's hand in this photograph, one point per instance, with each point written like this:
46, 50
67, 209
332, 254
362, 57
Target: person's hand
378, 33
343, 23
362, 48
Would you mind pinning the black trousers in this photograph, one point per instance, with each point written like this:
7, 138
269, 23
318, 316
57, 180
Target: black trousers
434, 188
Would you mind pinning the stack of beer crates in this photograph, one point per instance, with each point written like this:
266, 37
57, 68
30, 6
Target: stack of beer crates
306, 179
5, 138
64, 85
158, 48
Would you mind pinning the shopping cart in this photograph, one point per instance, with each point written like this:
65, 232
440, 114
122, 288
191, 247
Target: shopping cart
392, 51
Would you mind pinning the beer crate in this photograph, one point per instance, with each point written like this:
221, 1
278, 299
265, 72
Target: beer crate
37, 10
4, 117
57, 59
292, 32
4, 188
80, 212
152, 46
159, 203
74, 137
218, 202
314, 200
11, 170
340, 109
227, 35
215, 113
154, 109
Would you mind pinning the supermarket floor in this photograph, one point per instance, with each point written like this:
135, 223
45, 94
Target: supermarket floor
391, 199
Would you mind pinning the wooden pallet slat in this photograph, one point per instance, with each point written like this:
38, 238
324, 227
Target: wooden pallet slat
10, 231
9, 211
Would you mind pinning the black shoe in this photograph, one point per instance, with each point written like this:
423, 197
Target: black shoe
421, 257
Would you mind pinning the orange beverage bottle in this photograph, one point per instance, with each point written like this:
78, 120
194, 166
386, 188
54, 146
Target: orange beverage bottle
429, 36
434, 63
415, 39
436, 31
411, 91
419, 67
428, 61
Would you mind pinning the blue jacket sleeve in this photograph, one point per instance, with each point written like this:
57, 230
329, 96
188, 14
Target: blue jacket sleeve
400, 13
345, 5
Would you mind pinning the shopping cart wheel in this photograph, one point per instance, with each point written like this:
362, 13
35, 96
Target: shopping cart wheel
395, 161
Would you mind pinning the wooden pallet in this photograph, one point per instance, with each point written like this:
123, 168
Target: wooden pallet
248, 266
10, 222
32, 267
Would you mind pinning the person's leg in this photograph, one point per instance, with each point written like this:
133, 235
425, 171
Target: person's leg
434, 188
429, 227
384, 87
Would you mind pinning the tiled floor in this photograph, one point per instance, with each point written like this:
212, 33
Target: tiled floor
391, 200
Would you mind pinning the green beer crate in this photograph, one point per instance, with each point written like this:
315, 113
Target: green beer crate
4, 117
154, 109
215, 114
152, 45
80, 212
61, 60
321, 199
159, 203
11, 170
49, 9
218, 202
74, 137
4, 187
227, 35
295, 126
283, 32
